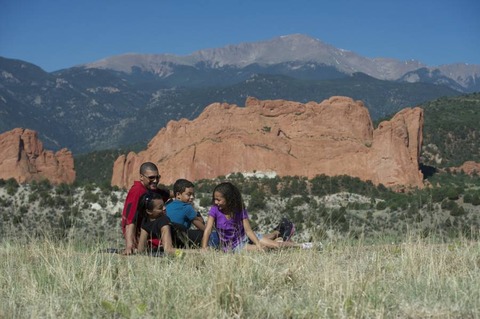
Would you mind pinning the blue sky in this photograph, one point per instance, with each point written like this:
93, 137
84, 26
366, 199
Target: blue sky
56, 34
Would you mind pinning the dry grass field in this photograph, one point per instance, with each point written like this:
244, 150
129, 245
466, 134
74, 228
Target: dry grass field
368, 267
418, 278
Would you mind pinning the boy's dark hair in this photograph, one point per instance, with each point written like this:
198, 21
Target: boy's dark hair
180, 186
148, 166
232, 195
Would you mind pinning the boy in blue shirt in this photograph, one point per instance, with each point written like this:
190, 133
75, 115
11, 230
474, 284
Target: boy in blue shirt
180, 210
182, 215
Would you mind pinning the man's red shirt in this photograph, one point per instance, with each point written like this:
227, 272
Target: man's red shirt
131, 204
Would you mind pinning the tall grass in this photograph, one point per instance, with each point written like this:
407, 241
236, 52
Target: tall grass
49, 279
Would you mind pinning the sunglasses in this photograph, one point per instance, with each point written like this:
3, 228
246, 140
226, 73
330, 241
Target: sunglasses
153, 177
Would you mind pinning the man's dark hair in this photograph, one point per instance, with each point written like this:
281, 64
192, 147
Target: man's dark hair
148, 166
180, 186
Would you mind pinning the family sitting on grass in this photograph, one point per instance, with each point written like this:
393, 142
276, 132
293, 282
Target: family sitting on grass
154, 220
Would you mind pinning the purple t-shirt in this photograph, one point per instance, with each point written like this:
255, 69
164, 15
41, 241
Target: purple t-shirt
230, 231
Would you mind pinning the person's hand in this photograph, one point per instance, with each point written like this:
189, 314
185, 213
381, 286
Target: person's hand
208, 249
261, 248
128, 251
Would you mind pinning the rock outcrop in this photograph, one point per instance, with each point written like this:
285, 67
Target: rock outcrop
334, 137
22, 157
469, 168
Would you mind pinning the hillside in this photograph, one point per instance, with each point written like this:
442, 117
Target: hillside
381, 97
322, 207
94, 109
452, 131
96, 167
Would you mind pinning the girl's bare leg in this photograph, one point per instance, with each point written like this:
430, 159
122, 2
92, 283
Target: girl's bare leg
273, 235
268, 243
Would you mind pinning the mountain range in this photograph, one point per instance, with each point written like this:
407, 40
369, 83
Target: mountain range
127, 99
298, 55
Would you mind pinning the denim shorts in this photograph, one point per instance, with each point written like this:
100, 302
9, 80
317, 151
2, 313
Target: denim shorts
244, 242
214, 240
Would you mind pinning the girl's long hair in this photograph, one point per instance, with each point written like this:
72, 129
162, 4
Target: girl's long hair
233, 197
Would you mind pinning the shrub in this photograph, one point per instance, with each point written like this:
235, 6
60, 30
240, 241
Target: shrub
105, 188
381, 205
237, 177
257, 200
438, 194
60, 201
205, 201
285, 192
89, 187
44, 184
114, 198
46, 201
468, 198
23, 210
457, 211
272, 184
90, 197
452, 193
103, 203
476, 199
32, 197
296, 201
449, 204
413, 209
12, 186
63, 189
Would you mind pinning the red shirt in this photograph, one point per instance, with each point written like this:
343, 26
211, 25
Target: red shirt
131, 204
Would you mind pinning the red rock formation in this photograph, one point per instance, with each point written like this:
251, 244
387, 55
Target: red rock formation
469, 168
333, 137
22, 157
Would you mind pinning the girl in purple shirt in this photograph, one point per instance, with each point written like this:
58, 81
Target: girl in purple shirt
230, 218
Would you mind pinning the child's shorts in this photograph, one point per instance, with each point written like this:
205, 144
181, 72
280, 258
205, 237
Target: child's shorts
214, 240
246, 241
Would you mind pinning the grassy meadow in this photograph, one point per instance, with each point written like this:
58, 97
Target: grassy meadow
418, 278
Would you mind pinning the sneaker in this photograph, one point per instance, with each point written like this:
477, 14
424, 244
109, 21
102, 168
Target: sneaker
316, 246
306, 245
286, 229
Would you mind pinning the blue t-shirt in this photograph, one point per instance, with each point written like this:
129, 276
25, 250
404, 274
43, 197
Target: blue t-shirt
181, 213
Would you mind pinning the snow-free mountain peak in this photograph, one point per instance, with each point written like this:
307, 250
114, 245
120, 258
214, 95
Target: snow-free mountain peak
283, 49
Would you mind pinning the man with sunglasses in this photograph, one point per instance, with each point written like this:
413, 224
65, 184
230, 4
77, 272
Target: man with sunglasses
131, 222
